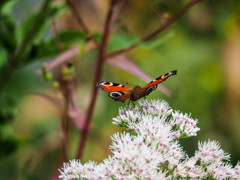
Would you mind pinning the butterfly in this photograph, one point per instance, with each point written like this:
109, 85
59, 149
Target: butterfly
119, 92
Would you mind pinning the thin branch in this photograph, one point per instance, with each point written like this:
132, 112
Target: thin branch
63, 135
62, 58
80, 21
74, 111
65, 86
98, 74
117, 10
160, 15
157, 31
64, 121
55, 31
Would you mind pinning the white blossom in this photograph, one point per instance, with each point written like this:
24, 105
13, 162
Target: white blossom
155, 107
189, 169
236, 170
126, 115
75, 170
185, 124
210, 152
153, 151
220, 170
134, 158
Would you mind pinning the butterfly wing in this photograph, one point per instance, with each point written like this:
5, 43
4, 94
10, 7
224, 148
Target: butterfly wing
154, 83
121, 93
118, 92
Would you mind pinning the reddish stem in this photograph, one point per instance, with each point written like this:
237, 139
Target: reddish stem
97, 77
75, 12
55, 31
80, 22
160, 15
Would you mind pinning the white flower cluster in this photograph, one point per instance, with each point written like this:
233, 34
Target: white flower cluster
186, 125
153, 150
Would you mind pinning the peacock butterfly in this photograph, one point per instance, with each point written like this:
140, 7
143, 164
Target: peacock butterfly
121, 93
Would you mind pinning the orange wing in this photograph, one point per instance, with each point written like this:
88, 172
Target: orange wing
160, 79
118, 92
110, 87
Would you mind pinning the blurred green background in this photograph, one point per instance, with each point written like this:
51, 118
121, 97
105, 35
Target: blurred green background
203, 45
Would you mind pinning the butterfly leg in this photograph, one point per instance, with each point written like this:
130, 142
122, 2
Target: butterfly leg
133, 103
129, 103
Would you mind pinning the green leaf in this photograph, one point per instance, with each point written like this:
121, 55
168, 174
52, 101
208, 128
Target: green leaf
67, 38
55, 11
34, 28
6, 9
155, 42
3, 3
121, 40
24, 29
97, 36
7, 29
59, 8
7, 109
10, 145
7, 26
3, 57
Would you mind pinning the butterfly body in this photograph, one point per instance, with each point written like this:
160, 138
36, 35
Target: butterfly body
121, 93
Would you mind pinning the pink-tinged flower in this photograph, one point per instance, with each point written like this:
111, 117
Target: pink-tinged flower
220, 170
189, 169
209, 152
75, 170
185, 124
155, 107
174, 155
213, 158
153, 150
134, 159
236, 169
127, 115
